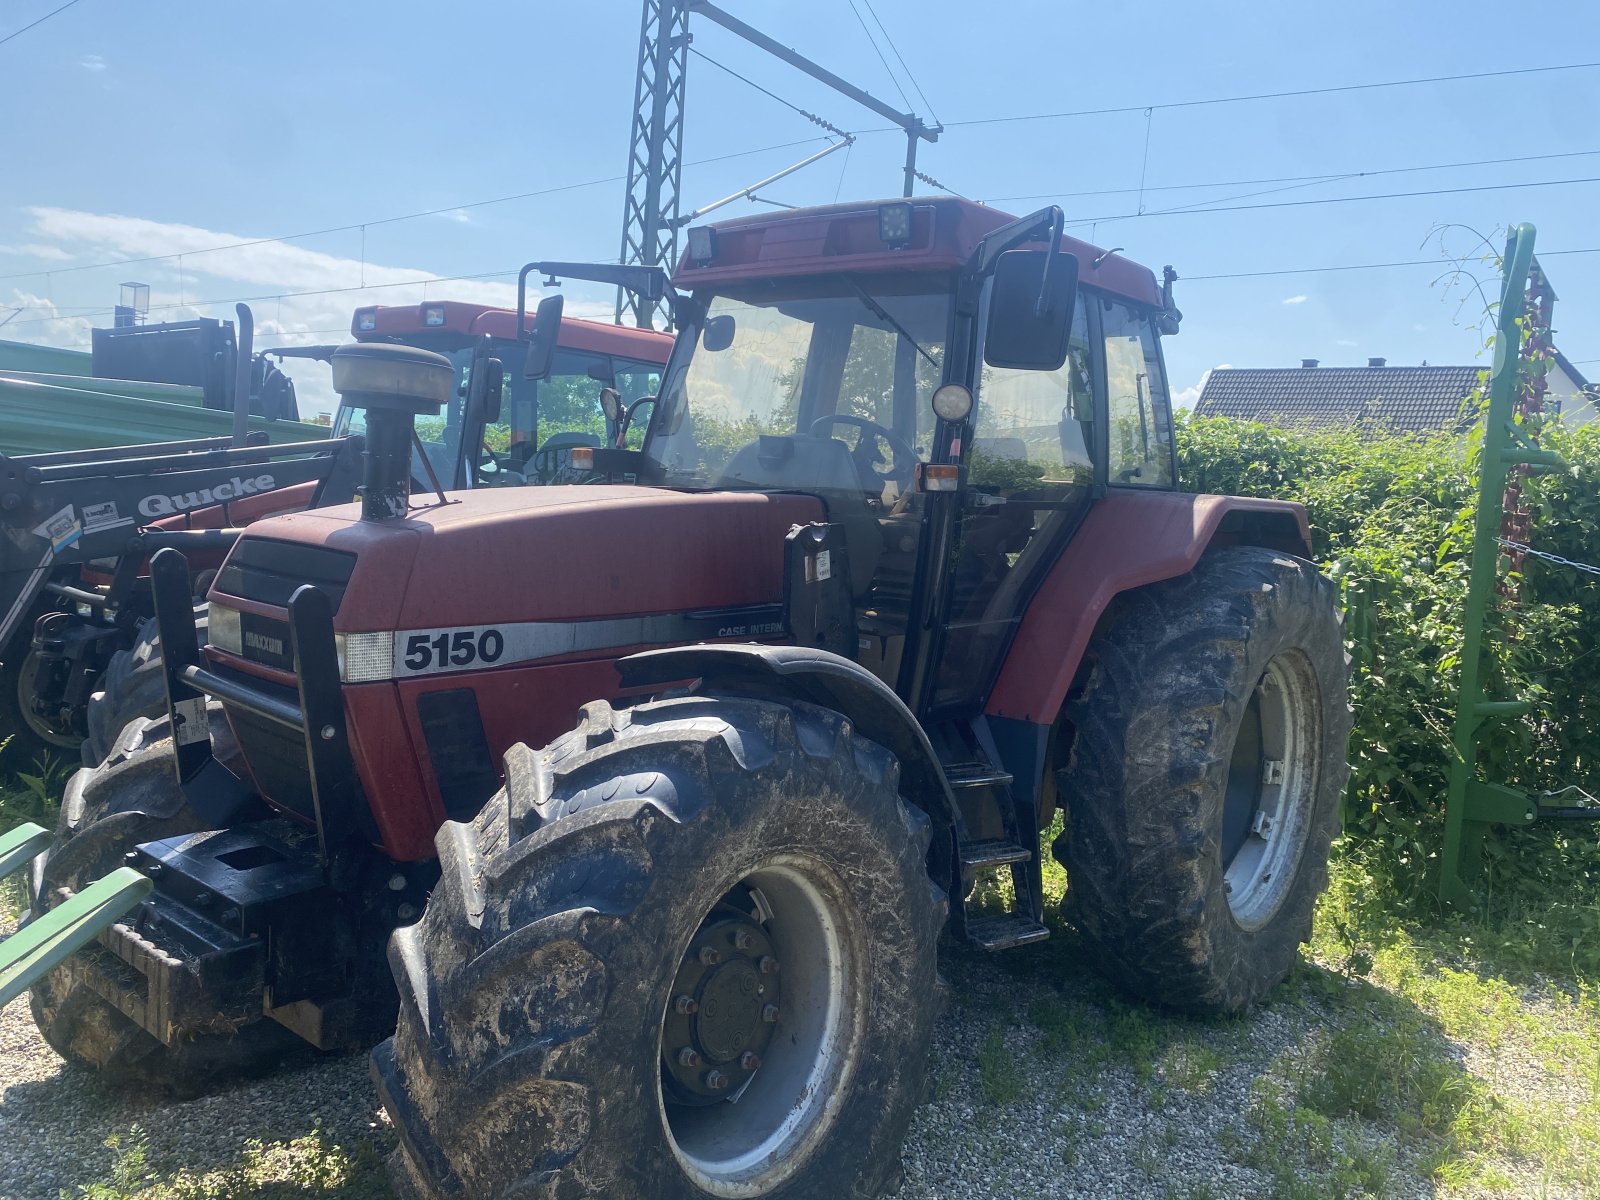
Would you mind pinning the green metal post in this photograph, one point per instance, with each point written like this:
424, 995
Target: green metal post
1472, 805
45, 942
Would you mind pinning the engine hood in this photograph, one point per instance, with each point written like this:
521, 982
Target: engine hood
560, 553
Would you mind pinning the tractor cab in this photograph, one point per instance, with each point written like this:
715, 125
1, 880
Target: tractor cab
523, 429
955, 386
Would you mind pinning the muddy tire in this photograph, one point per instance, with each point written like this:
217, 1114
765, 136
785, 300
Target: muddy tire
661, 852
106, 811
134, 687
1203, 783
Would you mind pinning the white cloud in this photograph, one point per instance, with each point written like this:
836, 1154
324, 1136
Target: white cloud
1295, 300
41, 322
459, 215
92, 62
37, 250
1346, 342
1188, 397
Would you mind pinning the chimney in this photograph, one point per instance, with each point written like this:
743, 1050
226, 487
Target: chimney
1377, 362
1308, 364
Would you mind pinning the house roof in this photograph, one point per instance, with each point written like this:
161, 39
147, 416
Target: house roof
1405, 399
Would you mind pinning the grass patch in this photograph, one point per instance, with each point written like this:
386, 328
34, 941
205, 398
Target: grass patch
298, 1169
999, 1073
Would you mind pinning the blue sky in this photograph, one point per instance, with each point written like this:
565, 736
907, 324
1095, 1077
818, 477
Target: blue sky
153, 128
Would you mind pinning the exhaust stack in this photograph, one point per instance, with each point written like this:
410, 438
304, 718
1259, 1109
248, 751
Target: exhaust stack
395, 385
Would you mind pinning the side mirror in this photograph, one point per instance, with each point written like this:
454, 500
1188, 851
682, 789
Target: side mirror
611, 403
542, 341
1030, 310
494, 386
717, 334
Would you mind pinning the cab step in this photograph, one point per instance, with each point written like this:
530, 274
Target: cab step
1005, 932
992, 852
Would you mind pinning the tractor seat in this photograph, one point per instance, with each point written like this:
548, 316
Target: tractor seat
821, 467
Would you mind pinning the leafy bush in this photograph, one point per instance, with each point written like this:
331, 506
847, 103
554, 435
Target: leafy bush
1391, 520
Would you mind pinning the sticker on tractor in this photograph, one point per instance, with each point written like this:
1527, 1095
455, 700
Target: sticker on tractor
192, 725
61, 530
477, 647
103, 516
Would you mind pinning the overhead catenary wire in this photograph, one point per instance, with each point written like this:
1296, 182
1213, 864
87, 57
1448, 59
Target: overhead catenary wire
873, 42
1381, 266
915, 86
789, 104
16, 33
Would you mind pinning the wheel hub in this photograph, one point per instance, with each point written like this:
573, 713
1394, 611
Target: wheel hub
723, 1013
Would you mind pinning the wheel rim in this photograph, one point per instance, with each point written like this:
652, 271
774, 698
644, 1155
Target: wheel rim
1272, 778
38, 725
747, 1133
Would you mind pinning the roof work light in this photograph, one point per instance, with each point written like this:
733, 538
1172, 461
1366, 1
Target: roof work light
702, 245
894, 225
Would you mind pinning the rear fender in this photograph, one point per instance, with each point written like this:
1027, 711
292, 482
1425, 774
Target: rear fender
831, 681
1128, 540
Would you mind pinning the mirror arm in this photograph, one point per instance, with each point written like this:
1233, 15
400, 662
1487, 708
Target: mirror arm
1053, 248
1049, 220
649, 283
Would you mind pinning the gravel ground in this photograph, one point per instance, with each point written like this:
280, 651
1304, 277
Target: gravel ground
1043, 1084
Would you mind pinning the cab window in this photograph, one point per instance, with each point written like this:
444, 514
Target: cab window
1138, 411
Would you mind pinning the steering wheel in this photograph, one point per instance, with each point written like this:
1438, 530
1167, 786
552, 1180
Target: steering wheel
903, 459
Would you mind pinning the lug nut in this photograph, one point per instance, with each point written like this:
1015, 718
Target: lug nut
750, 1061
716, 1080
742, 939
687, 1005
709, 956
769, 1014
769, 965
688, 1057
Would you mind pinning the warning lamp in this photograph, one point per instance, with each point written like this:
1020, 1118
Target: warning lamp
894, 225
582, 458
702, 245
366, 320
433, 314
938, 477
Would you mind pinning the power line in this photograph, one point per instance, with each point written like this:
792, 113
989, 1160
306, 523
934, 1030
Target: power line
1413, 262
40, 21
1327, 178
1200, 212
431, 212
917, 87
810, 116
1317, 91
873, 42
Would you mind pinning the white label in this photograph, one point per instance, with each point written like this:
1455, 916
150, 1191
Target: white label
103, 516
824, 565
61, 530
192, 724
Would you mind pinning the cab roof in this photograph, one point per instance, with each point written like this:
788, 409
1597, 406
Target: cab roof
473, 320
945, 230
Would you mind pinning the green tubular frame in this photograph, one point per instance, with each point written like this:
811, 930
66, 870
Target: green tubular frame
1473, 805
45, 942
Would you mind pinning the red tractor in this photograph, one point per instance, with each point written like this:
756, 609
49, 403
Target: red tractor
897, 571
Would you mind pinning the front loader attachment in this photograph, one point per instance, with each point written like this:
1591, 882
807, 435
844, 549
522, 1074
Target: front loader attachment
45, 942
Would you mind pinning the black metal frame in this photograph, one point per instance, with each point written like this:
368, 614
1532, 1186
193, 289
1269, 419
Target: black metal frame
318, 715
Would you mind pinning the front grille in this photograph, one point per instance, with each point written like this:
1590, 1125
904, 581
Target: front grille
277, 755
269, 571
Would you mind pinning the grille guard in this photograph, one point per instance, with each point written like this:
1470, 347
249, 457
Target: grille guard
215, 792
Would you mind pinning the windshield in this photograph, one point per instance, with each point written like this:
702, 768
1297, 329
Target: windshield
821, 363
540, 420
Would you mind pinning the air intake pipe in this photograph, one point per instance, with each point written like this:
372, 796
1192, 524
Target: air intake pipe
395, 385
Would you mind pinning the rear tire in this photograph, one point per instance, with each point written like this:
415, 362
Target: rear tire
542, 1047
1202, 790
107, 810
133, 687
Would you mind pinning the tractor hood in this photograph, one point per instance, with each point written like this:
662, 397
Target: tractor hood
560, 553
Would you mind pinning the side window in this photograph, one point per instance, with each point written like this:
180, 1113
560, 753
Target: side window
634, 381
1036, 428
1138, 412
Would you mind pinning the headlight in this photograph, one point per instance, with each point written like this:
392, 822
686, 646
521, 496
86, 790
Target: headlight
433, 314
366, 320
365, 657
223, 630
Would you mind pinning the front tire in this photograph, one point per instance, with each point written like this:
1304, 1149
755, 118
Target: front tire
132, 798
693, 900
1203, 784
134, 686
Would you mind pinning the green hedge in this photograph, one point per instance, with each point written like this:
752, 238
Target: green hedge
1391, 520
